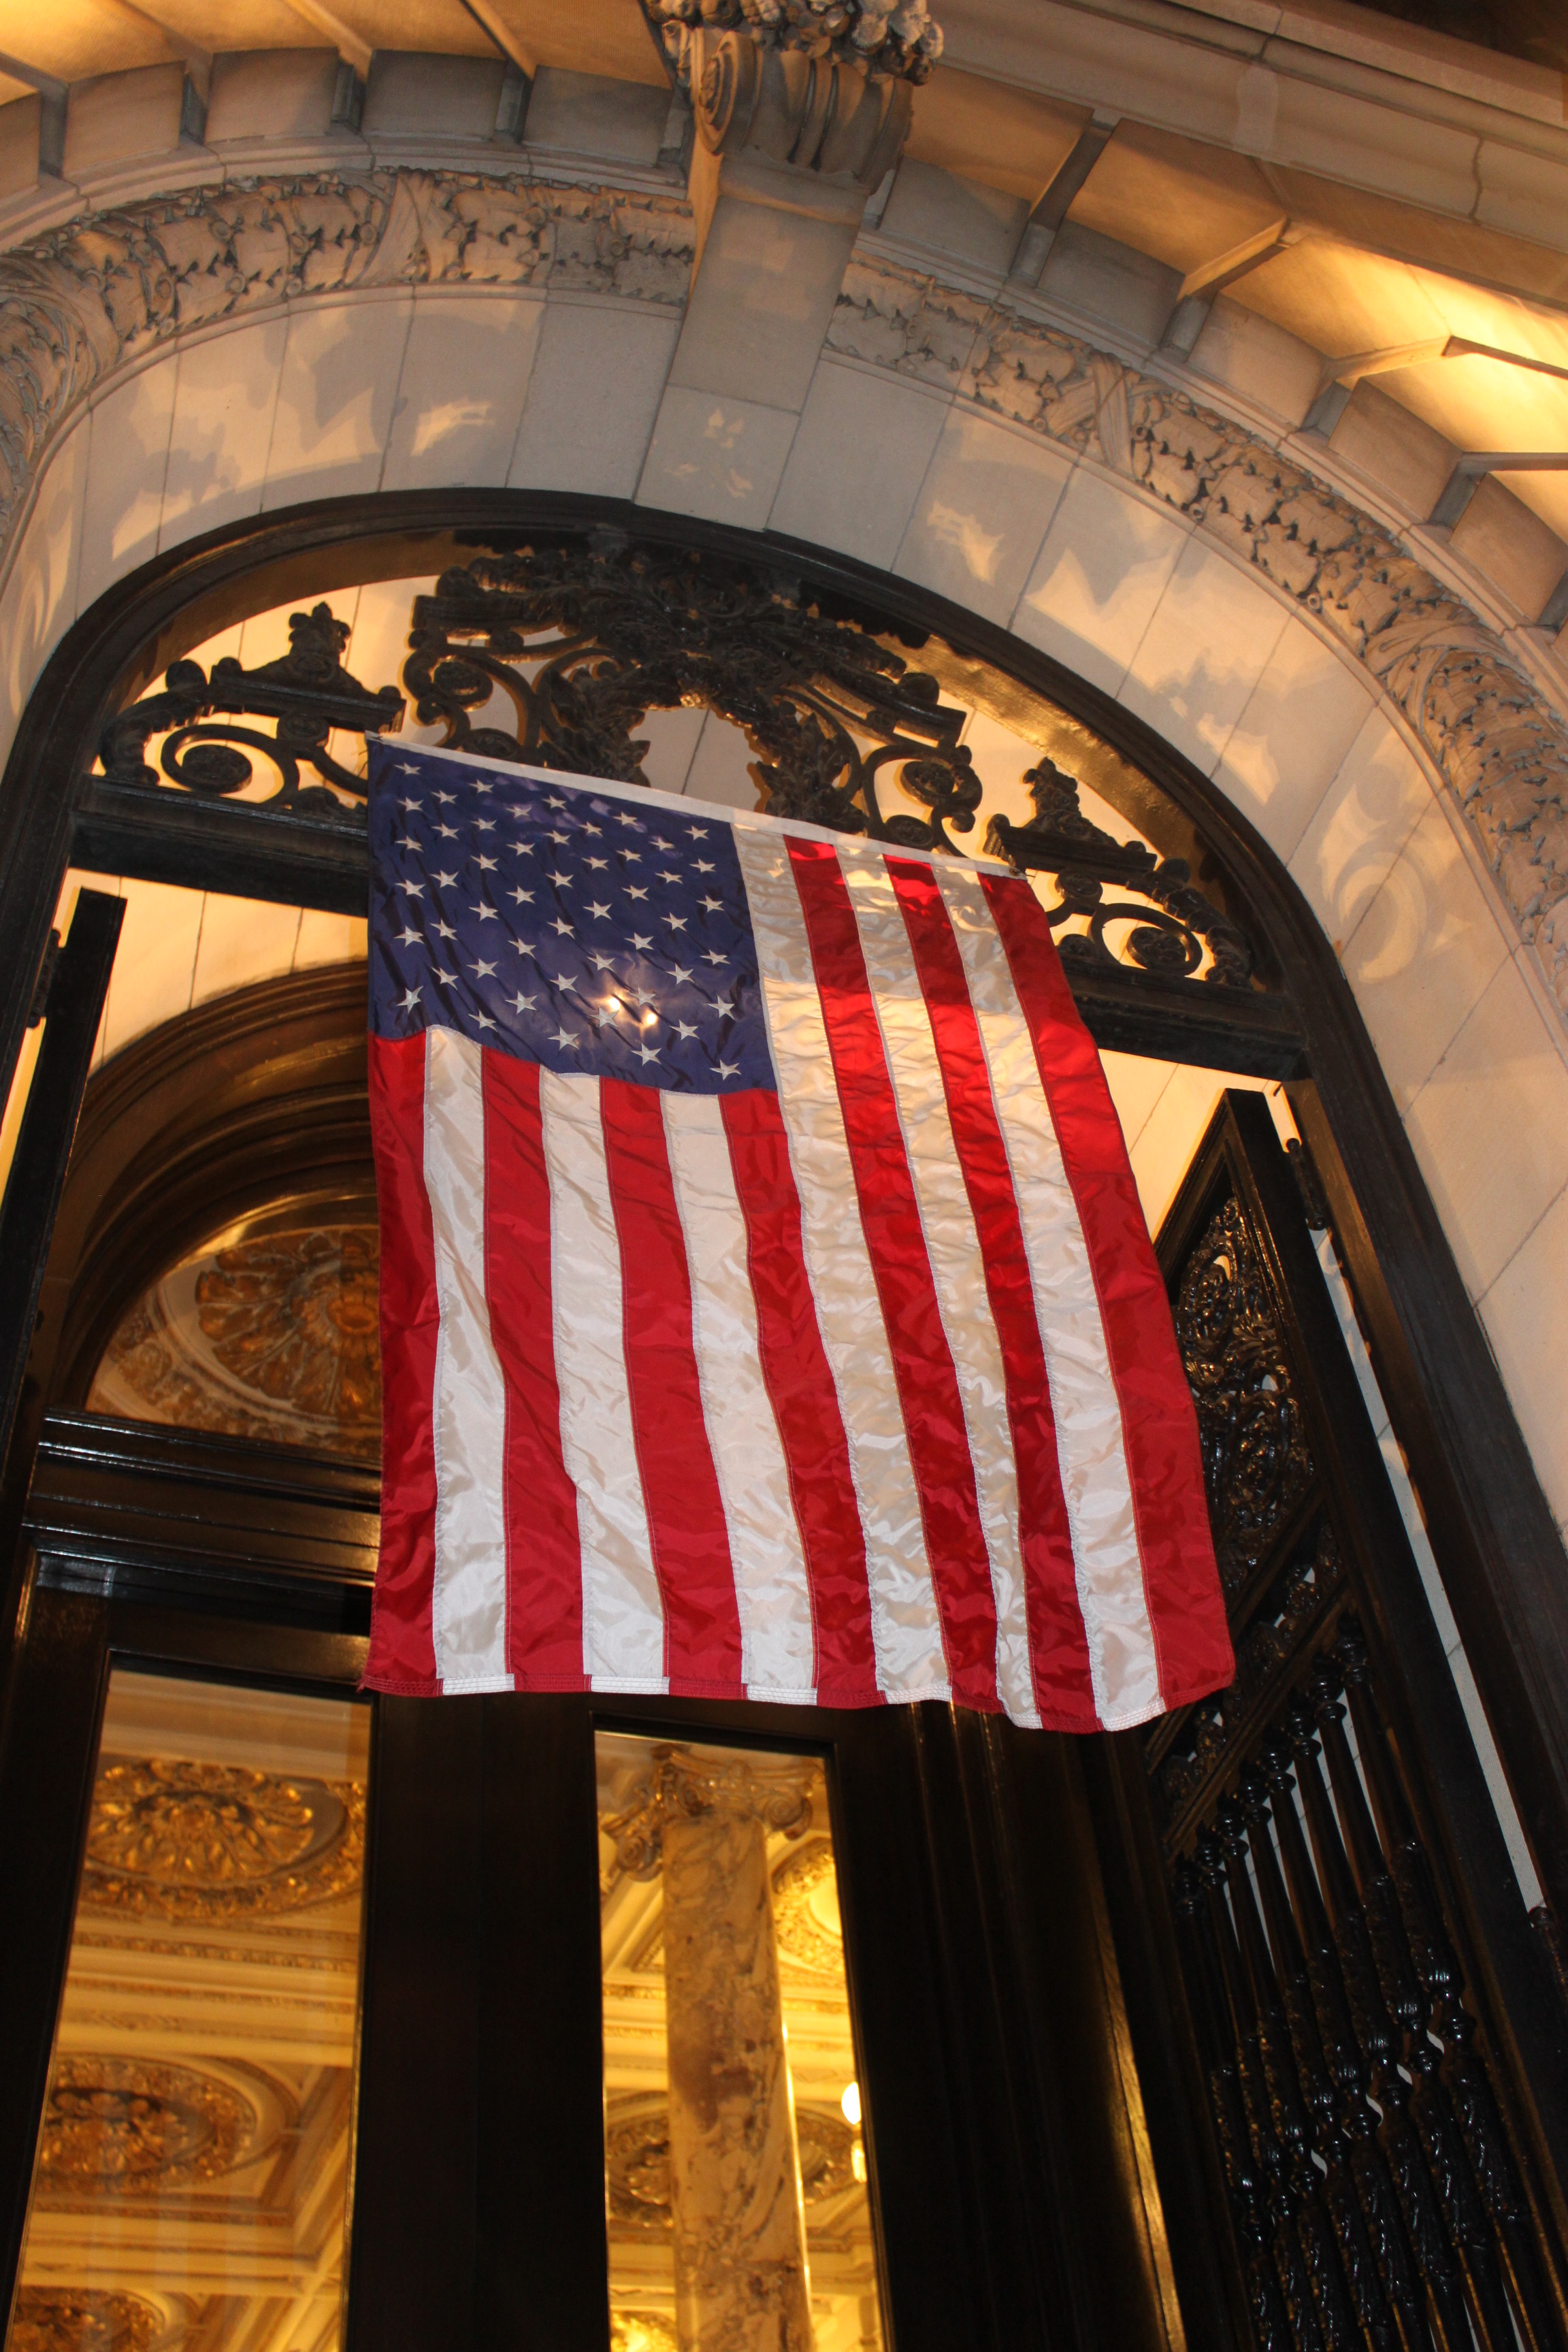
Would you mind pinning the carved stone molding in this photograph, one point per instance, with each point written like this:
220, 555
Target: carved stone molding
1501, 750
824, 114
83, 301
892, 39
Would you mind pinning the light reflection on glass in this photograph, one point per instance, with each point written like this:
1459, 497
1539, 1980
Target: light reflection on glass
735, 2189
192, 2177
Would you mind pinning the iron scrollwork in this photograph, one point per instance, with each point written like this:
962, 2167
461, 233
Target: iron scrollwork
1257, 1465
580, 638
308, 693
1167, 940
584, 641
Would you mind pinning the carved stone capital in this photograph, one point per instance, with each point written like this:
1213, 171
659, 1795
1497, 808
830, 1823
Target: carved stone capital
893, 39
832, 117
682, 1785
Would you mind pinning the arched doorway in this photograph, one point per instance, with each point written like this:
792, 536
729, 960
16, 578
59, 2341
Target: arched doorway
583, 637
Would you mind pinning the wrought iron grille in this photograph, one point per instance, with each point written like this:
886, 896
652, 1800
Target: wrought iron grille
1374, 2194
580, 639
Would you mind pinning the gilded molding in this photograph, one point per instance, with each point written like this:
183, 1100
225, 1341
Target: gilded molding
86, 299
1502, 752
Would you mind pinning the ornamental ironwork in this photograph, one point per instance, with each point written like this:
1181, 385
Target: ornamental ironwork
554, 655
308, 693
1376, 2197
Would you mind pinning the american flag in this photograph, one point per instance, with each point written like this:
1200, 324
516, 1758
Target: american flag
767, 1310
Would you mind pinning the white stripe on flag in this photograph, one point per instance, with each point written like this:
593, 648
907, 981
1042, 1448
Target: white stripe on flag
905, 1624
773, 1591
1123, 1660
468, 1602
622, 1616
953, 1252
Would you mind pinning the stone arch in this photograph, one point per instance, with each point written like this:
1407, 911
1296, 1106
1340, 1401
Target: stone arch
220, 355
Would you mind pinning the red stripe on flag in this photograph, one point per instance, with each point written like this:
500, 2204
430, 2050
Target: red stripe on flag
543, 1549
804, 1402
681, 1486
402, 1655
890, 1215
1059, 1648
1159, 1423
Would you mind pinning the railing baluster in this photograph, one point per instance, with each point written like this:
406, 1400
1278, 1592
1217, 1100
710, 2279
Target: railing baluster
1287, 2106
1503, 2248
1220, 2053
1273, 2163
1391, 2286
1366, 2315
1431, 2112
1372, 2010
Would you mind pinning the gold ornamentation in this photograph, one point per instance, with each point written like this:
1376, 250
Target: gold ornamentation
682, 1783
642, 2331
74, 2319
182, 1841
637, 2159
115, 2124
295, 1316
273, 1336
805, 1910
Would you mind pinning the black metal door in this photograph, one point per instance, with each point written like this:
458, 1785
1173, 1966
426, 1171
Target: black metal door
1334, 1967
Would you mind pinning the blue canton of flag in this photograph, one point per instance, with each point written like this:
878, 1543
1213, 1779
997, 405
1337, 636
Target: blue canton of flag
563, 926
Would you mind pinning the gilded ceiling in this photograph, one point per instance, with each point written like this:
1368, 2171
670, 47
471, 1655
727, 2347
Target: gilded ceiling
193, 2160
268, 1335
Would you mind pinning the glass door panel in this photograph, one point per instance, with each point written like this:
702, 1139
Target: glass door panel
736, 2191
191, 2184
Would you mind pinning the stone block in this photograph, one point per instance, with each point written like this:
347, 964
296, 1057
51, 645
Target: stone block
1105, 280
1006, 138
460, 394
334, 399
1358, 829
1203, 653
1522, 1313
127, 464
1395, 448
767, 280
225, 394
409, 92
271, 94
963, 219
115, 117
1489, 1129
1517, 551
589, 114
982, 511
857, 462
1251, 355
1102, 571
21, 129
598, 377
1423, 955
720, 459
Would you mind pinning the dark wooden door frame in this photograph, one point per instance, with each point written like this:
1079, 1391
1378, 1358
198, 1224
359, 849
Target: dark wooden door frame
1007, 2138
1502, 1562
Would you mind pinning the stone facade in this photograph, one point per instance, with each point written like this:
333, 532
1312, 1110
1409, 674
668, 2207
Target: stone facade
88, 299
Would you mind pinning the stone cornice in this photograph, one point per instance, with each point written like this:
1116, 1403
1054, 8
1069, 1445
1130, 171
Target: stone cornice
1499, 747
95, 295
